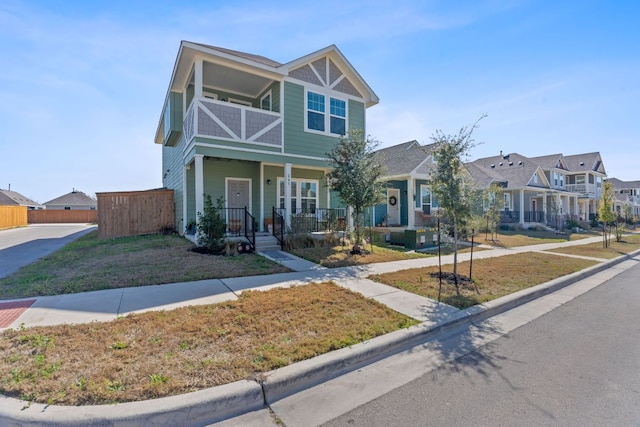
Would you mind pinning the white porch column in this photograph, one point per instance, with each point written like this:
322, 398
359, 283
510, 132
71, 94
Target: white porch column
197, 78
287, 194
184, 199
411, 203
199, 184
521, 207
586, 210
261, 219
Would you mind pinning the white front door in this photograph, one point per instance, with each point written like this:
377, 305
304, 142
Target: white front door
393, 206
238, 196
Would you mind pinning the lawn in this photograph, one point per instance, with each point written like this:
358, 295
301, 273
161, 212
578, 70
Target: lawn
155, 354
628, 244
511, 239
341, 256
89, 264
493, 277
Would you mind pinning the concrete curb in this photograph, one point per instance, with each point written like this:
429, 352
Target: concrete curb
234, 399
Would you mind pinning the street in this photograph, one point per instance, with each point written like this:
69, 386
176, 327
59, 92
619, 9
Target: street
577, 365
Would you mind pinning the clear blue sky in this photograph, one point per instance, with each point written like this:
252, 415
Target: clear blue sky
82, 82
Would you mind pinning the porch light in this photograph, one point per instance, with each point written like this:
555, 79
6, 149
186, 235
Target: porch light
268, 182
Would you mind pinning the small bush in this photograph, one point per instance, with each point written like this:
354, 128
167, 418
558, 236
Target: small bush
211, 225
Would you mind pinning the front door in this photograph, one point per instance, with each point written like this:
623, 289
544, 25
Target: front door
238, 197
393, 206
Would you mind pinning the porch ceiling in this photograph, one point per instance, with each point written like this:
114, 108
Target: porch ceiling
233, 80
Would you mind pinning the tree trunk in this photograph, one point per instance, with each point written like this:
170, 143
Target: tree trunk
455, 255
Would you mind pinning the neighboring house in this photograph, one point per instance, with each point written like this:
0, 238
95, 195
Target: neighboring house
627, 193
547, 190
76, 200
585, 176
406, 170
254, 131
13, 198
527, 193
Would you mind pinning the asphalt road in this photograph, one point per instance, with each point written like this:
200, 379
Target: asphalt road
24, 245
578, 365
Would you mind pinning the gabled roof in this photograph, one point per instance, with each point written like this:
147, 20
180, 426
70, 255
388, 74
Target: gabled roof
13, 198
75, 198
405, 158
620, 185
551, 161
515, 170
586, 162
249, 74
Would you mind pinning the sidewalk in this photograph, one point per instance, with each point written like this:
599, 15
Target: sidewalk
244, 396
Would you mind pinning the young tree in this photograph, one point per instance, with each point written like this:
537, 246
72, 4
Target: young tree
491, 207
356, 177
605, 211
450, 182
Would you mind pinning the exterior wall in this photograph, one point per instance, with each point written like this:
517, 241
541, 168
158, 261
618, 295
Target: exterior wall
275, 172
72, 207
296, 140
215, 171
172, 178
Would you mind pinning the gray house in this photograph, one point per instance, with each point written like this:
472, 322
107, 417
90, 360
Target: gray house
13, 198
75, 200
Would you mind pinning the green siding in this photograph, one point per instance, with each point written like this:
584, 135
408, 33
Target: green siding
275, 96
172, 178
356, 115
215, 171
296, 140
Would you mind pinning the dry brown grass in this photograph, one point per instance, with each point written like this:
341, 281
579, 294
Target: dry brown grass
90, 264
341, 256
615, 249
511, 239
494, 277
156, 354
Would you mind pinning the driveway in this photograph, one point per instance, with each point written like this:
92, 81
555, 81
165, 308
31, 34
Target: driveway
22, 246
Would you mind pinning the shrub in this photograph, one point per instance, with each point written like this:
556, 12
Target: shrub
211, 226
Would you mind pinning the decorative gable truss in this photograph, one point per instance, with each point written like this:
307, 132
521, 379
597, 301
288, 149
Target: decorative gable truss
325, 73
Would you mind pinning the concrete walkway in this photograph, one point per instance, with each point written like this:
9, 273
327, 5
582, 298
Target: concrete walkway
236, 398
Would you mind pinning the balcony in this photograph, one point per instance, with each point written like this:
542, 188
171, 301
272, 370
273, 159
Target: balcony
232, 122
586, 190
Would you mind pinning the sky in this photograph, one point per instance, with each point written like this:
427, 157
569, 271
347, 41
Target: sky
82, 83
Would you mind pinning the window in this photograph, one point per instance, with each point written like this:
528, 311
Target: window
304, 194
507, 201
338, 114
561, 180
599, 182
555, 179
318, 120
315, 113
265, 101
425, 199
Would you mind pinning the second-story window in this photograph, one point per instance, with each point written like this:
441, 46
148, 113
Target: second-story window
265, 101
315, 111
317, 118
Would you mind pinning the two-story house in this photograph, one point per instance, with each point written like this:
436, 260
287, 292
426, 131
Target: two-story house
585, 176
627, 193
254, 131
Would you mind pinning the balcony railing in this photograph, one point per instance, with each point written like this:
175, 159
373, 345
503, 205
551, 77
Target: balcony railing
585, 189
232, 122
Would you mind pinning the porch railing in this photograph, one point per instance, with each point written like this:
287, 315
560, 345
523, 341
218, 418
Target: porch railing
233, 122
317, 220
240, 222
534, 216
509, 217
278, 225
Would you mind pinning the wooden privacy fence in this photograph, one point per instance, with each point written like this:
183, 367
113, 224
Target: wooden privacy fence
133, 213
48, 216
13, 216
